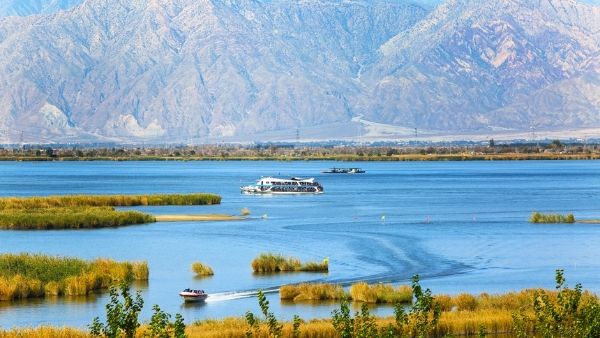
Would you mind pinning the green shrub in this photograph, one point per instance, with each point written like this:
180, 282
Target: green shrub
537, 217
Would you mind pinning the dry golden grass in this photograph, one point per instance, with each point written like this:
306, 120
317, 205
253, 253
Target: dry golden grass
140, 270
468, 322
465, 302
44, 331
25, 276
445, 302
381, 293
236, 327
270, 262
202, 269
309, 291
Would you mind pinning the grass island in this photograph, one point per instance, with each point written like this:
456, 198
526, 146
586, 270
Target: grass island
93, 211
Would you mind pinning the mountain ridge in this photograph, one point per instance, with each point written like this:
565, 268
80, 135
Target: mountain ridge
181, 69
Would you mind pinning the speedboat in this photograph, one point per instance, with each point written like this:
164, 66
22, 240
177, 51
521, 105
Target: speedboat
190, 295
274, 185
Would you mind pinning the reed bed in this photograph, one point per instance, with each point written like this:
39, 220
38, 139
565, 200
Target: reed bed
201, 269
457, 323
468, 322
465, 302
381, 293
313, 291
25, 275
44, 331
236, 327
70, 218
38, 202
245, 211
537, 217
270, 262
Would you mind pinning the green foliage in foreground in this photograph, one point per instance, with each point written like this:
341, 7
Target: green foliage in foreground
24, 275
565, 316
38, 202
269, 262
537, 217
70, 218
122, 318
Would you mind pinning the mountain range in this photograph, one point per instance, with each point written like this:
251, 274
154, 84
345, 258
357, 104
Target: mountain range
250, 70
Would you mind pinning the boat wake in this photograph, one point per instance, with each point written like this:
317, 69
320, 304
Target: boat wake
225, 296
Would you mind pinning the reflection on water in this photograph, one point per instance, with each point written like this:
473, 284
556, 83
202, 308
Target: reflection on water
461, 226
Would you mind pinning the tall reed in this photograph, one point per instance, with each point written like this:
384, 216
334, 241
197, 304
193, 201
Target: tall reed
25, 275
310, 291
537, 217
381, 293
70, 218
202, 269
39, 202
45, 331
270, 262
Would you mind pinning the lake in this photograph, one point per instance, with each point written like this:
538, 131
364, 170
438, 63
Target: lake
462, 226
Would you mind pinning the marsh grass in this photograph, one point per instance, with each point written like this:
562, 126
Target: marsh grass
70, 218
537, 217
269, 262
313, 291
201, 269
44, 331
381, 293
38, 202
25, 275
87, 211
465, 302
245, 211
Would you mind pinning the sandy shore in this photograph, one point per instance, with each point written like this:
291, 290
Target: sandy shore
204, 217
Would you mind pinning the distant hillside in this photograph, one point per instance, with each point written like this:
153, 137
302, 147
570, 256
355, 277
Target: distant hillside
177, 70
29, 7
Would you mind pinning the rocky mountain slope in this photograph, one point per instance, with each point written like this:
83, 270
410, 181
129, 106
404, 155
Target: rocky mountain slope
29, 7
132, 70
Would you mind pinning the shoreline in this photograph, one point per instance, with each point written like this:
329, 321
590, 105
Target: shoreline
198, 217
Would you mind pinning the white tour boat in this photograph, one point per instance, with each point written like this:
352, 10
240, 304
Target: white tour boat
193, 295
274, 185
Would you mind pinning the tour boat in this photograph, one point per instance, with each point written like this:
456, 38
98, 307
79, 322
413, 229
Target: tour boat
190, 295
274, 185
343, 171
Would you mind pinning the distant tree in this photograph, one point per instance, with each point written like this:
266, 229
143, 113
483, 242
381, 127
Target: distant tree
491, 143
49, 152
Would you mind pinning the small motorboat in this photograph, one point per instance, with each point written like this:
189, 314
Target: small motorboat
190, 295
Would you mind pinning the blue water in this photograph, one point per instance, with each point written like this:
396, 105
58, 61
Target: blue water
462, 226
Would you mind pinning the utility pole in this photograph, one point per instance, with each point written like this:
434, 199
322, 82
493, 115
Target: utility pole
415, 136
297, 137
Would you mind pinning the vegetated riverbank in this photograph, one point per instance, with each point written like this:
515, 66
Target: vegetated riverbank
373, 157
562, 312
25, 275
88, 211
